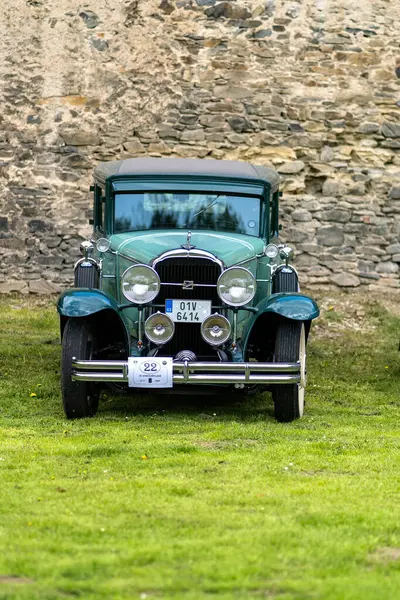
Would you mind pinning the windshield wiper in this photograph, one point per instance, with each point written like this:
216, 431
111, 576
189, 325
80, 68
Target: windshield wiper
213, 201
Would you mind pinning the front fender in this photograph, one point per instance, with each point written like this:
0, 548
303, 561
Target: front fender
101, 310
84, 302
291, 305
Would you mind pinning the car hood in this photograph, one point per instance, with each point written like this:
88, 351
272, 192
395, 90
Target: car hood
144, 246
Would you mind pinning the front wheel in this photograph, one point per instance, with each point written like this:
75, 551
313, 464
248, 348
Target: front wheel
290, 346
80, 398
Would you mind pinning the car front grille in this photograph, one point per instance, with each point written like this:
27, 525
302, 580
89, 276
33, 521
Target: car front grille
196, 270
203, 271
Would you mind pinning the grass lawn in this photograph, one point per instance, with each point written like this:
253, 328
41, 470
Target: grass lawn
192, 499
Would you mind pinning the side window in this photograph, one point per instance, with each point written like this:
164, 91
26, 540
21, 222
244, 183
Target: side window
99, 208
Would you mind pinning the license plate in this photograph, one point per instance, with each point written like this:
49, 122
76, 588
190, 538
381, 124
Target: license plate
153, 372
188, 311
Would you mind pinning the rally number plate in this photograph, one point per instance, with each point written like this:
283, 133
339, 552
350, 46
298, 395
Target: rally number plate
146, 372
188, 311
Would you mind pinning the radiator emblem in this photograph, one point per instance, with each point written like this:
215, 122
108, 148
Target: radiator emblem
188, 285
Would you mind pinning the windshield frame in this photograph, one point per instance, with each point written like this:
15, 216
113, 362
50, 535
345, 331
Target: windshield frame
129, 183
259, 194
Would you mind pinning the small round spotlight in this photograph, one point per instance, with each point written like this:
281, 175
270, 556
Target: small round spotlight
86, 248
159, 328
286, 253
103, 244
215, 329
271, 251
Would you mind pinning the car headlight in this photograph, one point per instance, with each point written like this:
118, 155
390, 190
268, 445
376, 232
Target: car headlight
140, 284
236, 286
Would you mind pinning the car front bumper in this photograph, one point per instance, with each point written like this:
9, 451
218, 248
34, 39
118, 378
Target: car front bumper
211, 373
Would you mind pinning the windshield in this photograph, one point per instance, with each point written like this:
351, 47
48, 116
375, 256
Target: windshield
179, 210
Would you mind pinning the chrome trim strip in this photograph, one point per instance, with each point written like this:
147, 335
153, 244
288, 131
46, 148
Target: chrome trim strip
212, 285
254, 379
185, 371
88, 261
246, 260
234, 333
192, 253
100, 272
186, 254
227, 367
282, 266
194, 372
140, 324
119, 254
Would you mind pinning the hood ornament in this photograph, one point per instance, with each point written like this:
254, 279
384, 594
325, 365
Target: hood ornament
188, 245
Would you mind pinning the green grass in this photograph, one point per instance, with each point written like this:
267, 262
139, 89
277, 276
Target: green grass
197, 498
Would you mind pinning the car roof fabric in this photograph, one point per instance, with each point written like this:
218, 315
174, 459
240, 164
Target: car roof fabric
186, 166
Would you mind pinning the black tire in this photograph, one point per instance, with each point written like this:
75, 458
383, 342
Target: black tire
285, 280
80, 399
289, 347
86, 277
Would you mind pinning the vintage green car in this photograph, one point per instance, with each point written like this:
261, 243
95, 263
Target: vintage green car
184, 286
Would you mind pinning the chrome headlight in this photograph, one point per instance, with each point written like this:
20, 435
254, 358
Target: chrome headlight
140, 284
236, 286
159, 328
215, 329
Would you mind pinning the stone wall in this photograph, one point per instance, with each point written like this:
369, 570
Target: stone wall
308, 86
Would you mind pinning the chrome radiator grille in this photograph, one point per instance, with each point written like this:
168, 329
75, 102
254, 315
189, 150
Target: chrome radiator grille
193, 270
196, 270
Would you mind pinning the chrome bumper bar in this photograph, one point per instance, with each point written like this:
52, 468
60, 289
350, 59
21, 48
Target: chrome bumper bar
193, 372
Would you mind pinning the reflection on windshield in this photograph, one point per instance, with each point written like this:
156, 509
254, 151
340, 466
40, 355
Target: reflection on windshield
178, 210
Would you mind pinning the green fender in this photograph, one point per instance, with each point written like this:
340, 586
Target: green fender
291, 305
84, 302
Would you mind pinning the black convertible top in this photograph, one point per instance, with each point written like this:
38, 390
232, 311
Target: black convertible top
186, 166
